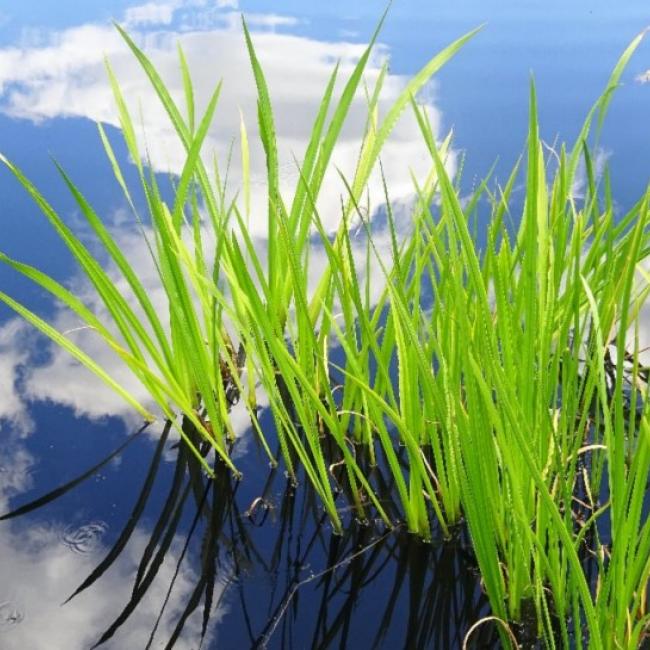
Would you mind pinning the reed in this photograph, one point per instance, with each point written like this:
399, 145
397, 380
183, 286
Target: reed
482, 377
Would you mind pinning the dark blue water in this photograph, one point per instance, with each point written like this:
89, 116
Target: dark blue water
279, 578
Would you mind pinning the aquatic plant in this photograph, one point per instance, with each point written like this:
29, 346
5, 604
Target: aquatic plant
482, 377
186, 363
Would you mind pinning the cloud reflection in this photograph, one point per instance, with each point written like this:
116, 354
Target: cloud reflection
39, 570
65, 77
643, 78
62, 74
15, 337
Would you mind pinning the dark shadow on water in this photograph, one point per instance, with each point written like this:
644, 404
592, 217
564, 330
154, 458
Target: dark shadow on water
270, 573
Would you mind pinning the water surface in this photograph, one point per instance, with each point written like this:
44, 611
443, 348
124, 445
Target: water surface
56, 421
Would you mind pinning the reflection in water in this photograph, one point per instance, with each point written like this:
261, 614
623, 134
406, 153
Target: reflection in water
10, 615
254, 560
15, 339
62, 74
421, 593
643, 78
38, 572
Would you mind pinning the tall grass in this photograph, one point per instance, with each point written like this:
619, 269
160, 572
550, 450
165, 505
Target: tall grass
482, 376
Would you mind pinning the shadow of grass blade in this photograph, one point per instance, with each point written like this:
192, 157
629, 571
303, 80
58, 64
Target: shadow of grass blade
171, 501
66, 487
151, 573
134, 517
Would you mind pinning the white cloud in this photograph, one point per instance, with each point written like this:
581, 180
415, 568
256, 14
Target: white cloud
38, 572
62, 380
164, 13
260, 21
600, 158
15, 471
65, 76
15, 336
152, 13
643, 77
348, 33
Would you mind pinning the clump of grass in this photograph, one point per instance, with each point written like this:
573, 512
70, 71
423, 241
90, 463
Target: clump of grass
180, 359
488, 365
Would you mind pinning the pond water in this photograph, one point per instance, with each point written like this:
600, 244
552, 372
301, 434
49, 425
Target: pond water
278, 577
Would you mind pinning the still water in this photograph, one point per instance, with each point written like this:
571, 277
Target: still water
276, 576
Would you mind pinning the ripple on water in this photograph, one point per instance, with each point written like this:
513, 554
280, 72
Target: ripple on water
10, 616
84, 539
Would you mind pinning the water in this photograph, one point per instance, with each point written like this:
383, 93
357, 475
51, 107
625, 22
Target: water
56, 421
262, 549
